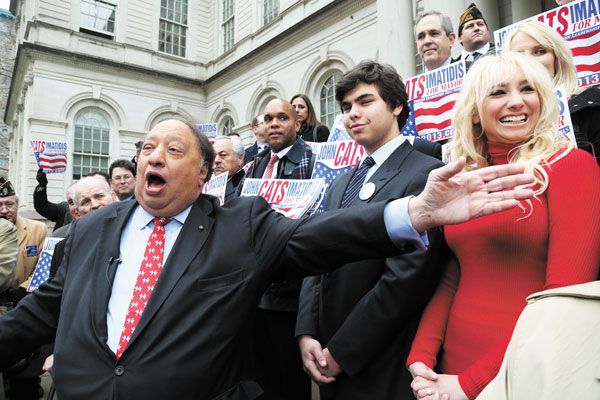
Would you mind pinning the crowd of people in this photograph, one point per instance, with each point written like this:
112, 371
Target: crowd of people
370, 299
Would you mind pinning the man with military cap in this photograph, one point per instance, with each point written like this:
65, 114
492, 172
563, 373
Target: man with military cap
474, 36
31, 236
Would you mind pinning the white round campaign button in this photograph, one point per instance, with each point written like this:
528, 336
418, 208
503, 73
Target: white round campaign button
367, 191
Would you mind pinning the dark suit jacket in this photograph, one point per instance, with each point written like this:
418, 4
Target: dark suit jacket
232, 185
192, 340
491, 51
250, 152
296, 164
366, 312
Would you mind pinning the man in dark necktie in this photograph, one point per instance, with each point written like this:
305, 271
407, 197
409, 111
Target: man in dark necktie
474, 36
359, 321
191, 340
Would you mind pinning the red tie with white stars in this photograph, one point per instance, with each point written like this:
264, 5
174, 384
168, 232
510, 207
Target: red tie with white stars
146, 279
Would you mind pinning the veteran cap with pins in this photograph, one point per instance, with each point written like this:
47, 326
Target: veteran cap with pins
6, 188
471, 13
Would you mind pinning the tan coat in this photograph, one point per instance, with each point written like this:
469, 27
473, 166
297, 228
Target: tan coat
554, 352
31, 233
8, 253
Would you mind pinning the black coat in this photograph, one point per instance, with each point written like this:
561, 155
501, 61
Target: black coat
192, 340
367, 312
584, 109
310, 134
55, 212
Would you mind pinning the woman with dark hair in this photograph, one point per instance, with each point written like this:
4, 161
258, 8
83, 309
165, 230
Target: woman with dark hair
311, 129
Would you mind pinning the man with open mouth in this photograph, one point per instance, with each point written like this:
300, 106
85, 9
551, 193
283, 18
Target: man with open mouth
153, 298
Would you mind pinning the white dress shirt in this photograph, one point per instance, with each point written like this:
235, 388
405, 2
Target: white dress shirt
280, 155
131, 252
482, 50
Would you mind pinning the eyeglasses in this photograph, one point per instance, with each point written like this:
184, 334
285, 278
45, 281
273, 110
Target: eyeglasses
123, 178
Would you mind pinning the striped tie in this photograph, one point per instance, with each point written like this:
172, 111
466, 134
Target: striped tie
357, 181
269, 171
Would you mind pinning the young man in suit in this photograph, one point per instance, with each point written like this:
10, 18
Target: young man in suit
360, 319
153, 299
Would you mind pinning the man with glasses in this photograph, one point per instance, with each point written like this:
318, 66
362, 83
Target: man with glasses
122, 179
258, 127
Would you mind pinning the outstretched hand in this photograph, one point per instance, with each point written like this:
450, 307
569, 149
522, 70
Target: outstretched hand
451, 198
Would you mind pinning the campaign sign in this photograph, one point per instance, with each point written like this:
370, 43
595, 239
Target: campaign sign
216, 186
42, 268
50, 156
565, 126
579, 24
431, 98
290, 197
338, 130
333, 160
209, 130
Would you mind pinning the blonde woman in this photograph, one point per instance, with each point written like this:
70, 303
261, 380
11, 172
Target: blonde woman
507, 113
549, 48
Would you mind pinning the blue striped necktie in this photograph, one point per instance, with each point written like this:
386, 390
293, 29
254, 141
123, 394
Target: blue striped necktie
357, 181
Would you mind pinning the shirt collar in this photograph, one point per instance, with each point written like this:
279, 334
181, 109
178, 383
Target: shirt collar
283, 152
481, 50
141, 218
447, 62
382, 153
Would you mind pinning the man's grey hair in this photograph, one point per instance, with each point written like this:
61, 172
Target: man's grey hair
236, 144
444, 19
93, 178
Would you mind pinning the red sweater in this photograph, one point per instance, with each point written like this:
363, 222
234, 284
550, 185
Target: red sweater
501, 260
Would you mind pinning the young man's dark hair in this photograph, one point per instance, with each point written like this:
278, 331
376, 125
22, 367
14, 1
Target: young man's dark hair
384, 76
125, 164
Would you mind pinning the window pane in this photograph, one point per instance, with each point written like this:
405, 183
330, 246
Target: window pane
91, 143
98, 15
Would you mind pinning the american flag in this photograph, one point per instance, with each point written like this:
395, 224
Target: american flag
328, 174
42, 268
431, 118
338, 131
42, 271
586, 52
52, 162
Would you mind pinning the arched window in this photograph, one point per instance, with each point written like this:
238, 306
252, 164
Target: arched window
91, 143
328, 107
226, 126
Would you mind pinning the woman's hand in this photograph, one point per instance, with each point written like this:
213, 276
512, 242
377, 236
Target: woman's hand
444, 387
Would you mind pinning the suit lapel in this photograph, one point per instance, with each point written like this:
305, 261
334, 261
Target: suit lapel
107, 248
334, 197
386, 172
196, 230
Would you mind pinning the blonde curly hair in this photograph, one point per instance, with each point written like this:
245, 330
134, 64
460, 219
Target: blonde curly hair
469, 140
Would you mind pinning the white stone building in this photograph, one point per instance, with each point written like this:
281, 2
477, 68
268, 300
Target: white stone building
100, 73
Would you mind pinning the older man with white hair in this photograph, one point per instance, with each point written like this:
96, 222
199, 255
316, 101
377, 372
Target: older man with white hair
229, 154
